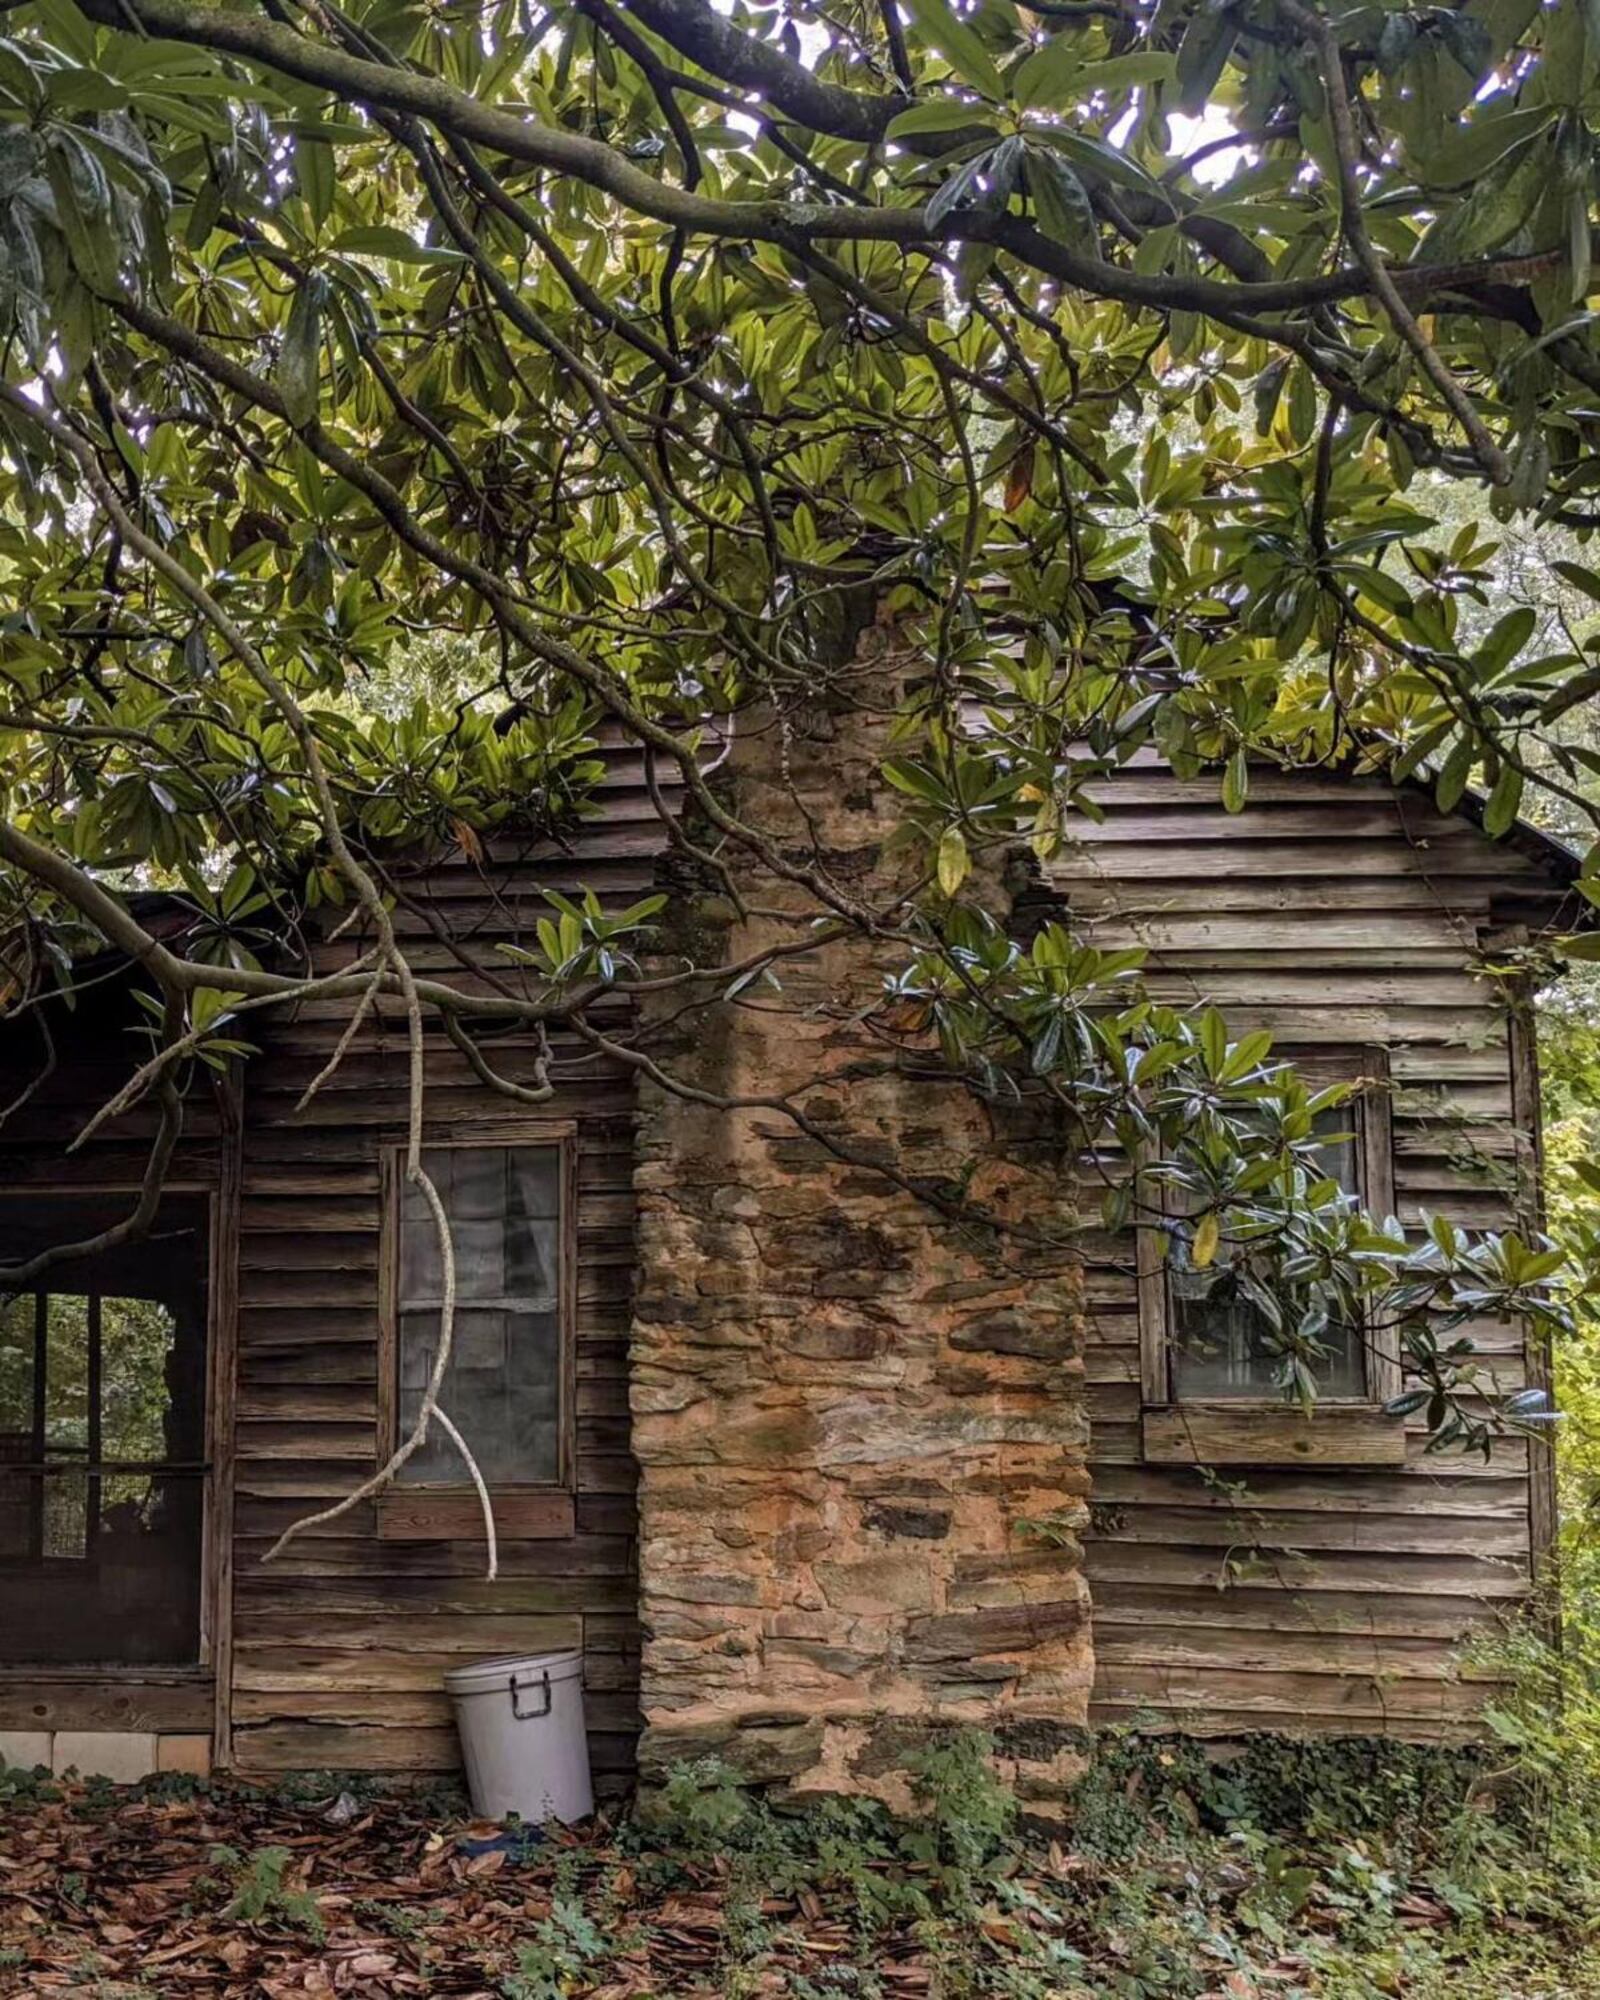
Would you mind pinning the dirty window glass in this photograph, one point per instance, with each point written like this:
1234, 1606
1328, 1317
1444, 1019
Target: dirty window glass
502, 1386
1220, 1347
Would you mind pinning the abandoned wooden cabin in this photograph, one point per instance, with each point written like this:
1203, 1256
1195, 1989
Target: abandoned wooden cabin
762, 1434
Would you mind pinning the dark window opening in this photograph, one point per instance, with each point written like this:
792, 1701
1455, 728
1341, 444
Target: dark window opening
103, 1437
502, 1387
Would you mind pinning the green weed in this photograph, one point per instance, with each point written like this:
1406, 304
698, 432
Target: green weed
261, 1894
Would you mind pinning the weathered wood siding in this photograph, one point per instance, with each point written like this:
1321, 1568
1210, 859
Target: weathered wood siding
1333, 912
340, 1644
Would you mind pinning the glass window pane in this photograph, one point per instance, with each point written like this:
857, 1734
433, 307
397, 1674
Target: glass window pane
419, 1246
535, 1414
535, 1181
474, 1183
531, 1252
480, 1251
502, 1388
1336, 1147
1221, 1347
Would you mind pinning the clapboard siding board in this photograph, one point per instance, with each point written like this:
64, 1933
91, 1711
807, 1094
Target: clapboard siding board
1333, 911
340, 1645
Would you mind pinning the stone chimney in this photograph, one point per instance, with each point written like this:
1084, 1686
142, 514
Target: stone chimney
850, 1412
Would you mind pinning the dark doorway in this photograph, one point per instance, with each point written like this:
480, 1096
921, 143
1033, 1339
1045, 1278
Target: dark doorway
103, 1437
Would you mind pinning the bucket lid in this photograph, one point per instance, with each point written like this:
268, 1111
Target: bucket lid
493, 1676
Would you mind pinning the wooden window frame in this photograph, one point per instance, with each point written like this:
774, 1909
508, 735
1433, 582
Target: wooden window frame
450, 1510
1264, 1430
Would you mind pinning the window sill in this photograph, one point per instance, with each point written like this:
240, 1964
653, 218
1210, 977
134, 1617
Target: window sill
1273, 1434
442, 1514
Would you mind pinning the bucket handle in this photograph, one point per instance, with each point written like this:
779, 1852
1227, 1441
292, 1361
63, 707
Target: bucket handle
542, 1684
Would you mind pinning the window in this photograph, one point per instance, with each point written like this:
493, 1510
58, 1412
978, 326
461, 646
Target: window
505, 1386
1211, 1378
1218, 1342
103, 1438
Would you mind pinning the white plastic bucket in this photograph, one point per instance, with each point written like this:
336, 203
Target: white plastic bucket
522, 1736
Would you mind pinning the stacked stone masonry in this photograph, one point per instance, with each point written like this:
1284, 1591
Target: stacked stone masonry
859, 1422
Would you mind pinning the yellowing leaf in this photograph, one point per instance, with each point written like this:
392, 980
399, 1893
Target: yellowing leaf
1206, 1238
954, 861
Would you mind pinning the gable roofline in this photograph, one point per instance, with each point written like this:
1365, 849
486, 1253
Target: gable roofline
170, 912
1548, 851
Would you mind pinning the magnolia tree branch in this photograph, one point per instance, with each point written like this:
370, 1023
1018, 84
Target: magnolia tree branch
1352, 216
387, 950
790, 225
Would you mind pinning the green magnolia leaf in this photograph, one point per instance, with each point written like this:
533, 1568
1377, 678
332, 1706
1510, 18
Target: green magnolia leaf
1112, 74
1457, 769
1100, 162
1049, 75
1061, 204
1463, 156
939, 114
1580, 245
393, 244
1500, 813
1203, 54
958, 42
315, 173
300, 355
1496, 208
1511, 633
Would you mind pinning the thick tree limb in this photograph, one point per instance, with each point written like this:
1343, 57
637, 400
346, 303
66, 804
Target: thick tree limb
790, 225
